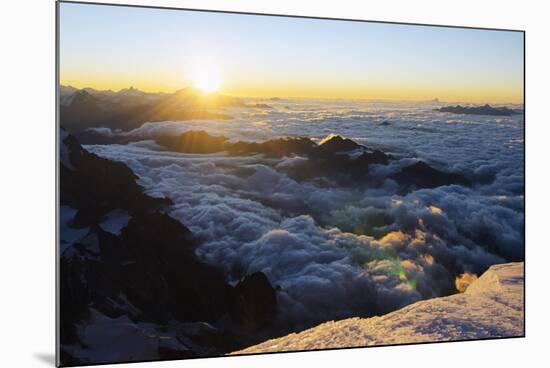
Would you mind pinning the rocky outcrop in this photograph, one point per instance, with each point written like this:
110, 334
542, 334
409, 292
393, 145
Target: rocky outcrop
492, 306
127, 269
94, 186
334, 144
81, 110
335, 158
341, 168
257, 301
479, 110
422, 175
280, 147
130, 108
193, 142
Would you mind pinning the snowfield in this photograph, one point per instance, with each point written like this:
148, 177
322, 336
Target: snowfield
492, 306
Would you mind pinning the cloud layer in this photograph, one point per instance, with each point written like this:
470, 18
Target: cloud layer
336, 252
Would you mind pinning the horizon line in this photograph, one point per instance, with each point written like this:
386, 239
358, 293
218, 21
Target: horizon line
290, 97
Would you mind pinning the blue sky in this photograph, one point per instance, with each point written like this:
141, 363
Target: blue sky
157, 49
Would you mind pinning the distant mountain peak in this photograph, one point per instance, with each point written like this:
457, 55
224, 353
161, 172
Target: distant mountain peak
130, 91
82, 93
90, 90
336, 143
480, 110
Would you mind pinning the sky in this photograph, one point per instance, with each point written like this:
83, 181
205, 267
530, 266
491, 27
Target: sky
111, 47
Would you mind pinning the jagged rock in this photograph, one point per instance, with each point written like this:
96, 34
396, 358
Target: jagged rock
343, 168
81, 110
276, 147
127, 265
192, 142
421, 175
335, 159
325, 160
257, 300
335, 143
479, 110
95, 185
130, 108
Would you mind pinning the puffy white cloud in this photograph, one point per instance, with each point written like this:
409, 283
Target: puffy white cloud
343, 251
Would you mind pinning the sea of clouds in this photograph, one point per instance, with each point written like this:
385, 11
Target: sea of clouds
335, 252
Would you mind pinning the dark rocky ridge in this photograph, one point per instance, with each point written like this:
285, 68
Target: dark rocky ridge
421, 175
96, 185
192, 142
130, 108
479, 110
147, 272
336, 158
336, 144
275, 147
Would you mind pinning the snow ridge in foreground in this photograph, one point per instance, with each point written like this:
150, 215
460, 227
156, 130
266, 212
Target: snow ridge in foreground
493, 306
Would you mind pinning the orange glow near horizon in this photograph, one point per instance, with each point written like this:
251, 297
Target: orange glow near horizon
209, 83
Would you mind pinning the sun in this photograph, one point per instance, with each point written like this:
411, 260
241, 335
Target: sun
206, 78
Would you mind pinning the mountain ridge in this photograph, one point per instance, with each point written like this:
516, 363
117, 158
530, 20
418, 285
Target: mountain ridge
129, 108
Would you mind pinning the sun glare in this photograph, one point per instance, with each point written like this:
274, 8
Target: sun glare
206, 78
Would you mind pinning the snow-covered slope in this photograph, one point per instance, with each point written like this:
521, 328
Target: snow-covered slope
492, 306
